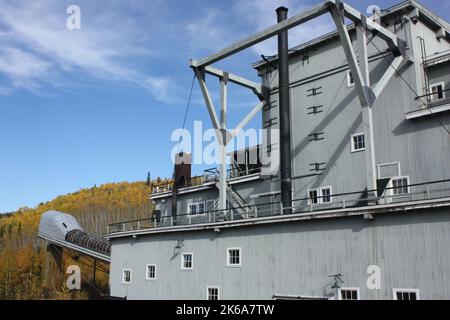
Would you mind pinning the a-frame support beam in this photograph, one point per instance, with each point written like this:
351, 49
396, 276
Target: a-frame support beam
359, 69
346, 41
223, 135
371, 173
387, 76
200, 74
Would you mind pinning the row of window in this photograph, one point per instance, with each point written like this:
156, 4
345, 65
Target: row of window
187, 263
200, 208
437, 90
397, 294
397, 186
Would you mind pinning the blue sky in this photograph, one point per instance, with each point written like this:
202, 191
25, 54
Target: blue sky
99, 104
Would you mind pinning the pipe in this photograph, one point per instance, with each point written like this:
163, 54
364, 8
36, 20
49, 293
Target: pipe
284, 110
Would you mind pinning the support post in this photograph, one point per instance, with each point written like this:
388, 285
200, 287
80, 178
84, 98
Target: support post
54, 267
284, 112
223, 143
367, 111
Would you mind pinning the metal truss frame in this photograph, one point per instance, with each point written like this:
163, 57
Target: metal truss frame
359, 67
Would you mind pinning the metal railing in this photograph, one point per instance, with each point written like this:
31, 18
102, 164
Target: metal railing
432, 99
391, 195
209, 175
168, 186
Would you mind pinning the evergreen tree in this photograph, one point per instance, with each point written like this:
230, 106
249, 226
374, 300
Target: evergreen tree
149, 180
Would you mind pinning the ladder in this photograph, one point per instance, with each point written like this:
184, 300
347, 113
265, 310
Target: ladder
238, 203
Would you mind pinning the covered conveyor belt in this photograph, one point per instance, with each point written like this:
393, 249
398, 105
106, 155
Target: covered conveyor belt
63, 230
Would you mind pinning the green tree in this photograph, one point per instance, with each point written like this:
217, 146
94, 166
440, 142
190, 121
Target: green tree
149, 180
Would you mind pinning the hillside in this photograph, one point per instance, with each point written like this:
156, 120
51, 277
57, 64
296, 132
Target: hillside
23, 255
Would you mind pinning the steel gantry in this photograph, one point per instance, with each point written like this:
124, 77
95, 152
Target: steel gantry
359, 67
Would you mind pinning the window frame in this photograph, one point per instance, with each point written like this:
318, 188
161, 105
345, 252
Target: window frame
402, 290
357, 289
212, 287
322, 196
319, 195
123, 275
147, 270
442, 83
391, 185
234, 265
308, 191
349, 77
197, 206
352, 142
182, 261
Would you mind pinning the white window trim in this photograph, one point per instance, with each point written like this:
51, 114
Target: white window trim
197, 205
146, 272
395, 290
212, 287
123, 276
358, 292
352, 144
349, 84
182, 261
388, 164
435, 85
228, 264
321, 195
309, 198
391, 185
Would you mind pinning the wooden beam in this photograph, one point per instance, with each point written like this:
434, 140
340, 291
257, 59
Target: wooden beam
350, 55
264, 35
206, 95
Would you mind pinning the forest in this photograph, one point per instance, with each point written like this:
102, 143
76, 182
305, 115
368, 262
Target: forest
24, 259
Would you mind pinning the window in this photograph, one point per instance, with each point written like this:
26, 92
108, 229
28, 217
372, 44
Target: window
201, 208
197, 208
233, 257
358, 142
320, 195
400, 186
313, 196
212, 293
437, 91
350, 79
187, 261
326, 195
150, 272
349, 294
406, 294
126, 276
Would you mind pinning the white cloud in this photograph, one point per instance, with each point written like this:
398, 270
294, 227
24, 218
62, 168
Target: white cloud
209, 31
261, 14
37, 44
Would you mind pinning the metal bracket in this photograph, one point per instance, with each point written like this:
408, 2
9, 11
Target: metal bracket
316, 136
317, 166
315, 109
314, 92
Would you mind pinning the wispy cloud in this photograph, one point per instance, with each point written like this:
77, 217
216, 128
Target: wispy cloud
37, 49
261, 14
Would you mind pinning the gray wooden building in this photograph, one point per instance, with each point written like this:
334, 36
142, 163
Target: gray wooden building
370, 213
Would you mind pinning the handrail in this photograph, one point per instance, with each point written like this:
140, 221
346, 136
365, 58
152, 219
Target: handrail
430, 94
298, 205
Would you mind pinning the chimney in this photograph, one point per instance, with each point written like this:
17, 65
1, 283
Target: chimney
182, 173
285, 118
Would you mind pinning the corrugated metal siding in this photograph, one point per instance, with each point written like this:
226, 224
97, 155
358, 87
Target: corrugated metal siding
413, 251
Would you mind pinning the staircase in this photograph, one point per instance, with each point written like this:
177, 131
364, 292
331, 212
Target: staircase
238, 203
